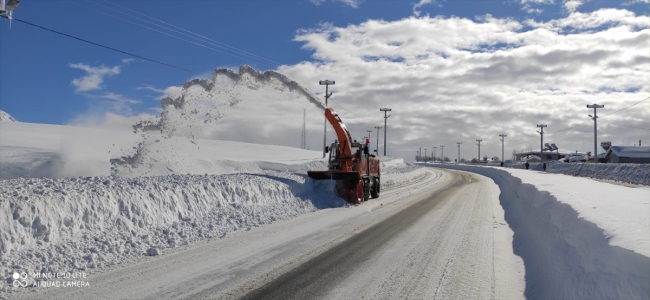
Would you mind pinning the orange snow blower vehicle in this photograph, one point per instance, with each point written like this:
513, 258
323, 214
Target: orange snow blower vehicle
355, 171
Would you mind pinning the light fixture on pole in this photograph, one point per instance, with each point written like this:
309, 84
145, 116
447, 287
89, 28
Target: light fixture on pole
442, 153
434, 154
479, 149
595, 117
386, 116
541, 142
377, 149
326, 83
503, 138
458, 161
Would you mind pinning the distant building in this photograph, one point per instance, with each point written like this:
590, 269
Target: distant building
628, 154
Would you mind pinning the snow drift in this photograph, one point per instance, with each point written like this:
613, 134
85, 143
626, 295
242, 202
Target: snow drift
566, 257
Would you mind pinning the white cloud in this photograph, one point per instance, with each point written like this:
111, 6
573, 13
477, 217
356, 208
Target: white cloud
452, 79
420, 4
109, 120
172, 91
351, 3
630, 2
572, 5
93, 78
127, 60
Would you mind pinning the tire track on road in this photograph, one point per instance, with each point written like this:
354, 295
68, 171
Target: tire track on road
318, 275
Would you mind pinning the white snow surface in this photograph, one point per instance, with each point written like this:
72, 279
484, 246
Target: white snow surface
197, 189
4, 116
623, 212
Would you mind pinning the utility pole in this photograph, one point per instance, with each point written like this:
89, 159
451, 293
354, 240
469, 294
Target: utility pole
369, 131
420, 155
386, 116
479, 149
458, 161
303, 140
503, 138
326, 83
442, 153
434, 154
541, 142
595, 117
425, 154
377, 149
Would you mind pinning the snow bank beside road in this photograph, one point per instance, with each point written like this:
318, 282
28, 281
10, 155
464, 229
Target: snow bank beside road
566, 257
64, 225
628, 173
67, 225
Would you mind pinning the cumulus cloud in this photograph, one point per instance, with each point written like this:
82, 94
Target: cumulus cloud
572, 5
451, 79
94, 77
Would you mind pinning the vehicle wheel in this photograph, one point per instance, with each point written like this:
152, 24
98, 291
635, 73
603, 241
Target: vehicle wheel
360, 192
366, 190
375, 189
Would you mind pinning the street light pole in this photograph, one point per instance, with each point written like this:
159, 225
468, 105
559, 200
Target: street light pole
425, 155
595, 117
442, 153
503, 138
434, 154
479, 149
458, 161
386, 116
377, 149
326, 83
420, 155
369, 131
541, 142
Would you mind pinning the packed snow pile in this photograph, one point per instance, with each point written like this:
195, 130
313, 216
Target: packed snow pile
567, 255
63, 225
628, 173
6, 117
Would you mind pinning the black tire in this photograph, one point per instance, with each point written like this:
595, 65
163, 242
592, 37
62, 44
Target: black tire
366, 190
374, 192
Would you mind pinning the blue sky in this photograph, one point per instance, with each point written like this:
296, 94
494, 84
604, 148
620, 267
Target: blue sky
49, 78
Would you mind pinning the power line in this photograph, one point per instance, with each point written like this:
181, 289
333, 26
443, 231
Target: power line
222, 45
625, 125
625, 107
100, 45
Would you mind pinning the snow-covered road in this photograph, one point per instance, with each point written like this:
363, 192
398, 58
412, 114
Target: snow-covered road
441, 237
